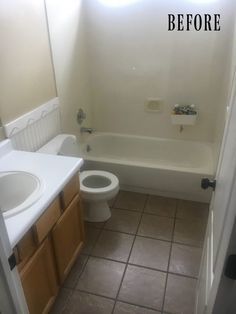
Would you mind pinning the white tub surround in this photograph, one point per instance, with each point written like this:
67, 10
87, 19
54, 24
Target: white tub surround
165, 167
54, 171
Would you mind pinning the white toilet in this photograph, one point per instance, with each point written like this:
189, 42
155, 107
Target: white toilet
96, 187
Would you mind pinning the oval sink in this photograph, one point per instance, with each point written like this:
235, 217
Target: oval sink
18, 191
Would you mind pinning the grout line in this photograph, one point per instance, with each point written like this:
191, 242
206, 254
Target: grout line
118, 231
85, 263
90, 225
135, 235
141, 306
121, 282
108, 259
159, 215
95, 294
129, 210
88, 255
145, 202
189, 245
203, 220
74, 288
147, 213
149, 237
95, 242
168, 265
152, 238
115, 300
142, 266
114, 230
183, 275
67, 301
149, 268
176, 208
64, 304
142, 212
123, 275
116, 199
82, 270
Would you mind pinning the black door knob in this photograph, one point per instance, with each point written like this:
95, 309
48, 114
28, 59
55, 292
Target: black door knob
206, 183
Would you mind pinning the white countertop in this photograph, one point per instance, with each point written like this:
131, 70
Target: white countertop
54, 171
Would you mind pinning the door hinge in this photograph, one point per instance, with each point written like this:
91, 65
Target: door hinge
12, 261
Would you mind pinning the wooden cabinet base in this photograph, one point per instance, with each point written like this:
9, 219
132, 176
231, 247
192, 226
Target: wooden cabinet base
49, 249
39, 280
68, 238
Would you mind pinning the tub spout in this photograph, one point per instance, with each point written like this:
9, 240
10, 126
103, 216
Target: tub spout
86, 130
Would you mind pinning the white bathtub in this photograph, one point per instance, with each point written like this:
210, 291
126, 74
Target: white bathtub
158, 166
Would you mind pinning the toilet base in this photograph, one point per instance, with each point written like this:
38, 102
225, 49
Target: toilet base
96, 211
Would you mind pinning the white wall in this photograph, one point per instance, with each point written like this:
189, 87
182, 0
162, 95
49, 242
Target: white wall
66, 28
26, 72
132, 56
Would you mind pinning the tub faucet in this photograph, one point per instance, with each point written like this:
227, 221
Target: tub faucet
86, 130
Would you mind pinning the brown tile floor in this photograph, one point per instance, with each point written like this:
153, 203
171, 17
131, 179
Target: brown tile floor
144, 260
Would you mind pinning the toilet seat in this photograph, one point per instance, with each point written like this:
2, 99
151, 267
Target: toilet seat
88, 173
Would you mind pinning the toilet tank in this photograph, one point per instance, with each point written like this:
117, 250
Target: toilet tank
62, 144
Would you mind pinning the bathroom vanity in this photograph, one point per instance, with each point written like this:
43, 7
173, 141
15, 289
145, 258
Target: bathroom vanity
48, 250
46, 235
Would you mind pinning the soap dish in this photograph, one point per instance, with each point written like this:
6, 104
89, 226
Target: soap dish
184, 119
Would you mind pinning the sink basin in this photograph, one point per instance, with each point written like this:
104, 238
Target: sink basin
18, 191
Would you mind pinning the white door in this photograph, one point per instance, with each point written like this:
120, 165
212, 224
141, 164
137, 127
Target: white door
12, 300
221, 216
225, 299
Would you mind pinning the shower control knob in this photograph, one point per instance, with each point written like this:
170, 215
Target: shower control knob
206, 183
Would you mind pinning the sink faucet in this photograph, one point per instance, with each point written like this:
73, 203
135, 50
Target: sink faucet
86, 130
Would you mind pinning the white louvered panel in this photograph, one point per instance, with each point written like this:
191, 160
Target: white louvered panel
34, 129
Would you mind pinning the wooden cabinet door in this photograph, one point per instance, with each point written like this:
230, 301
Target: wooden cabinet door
39, 280
68, 237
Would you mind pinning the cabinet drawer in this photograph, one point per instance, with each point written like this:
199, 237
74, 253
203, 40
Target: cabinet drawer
47, 220
70, 190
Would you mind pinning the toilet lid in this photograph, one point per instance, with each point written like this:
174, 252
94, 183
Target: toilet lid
112, 180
